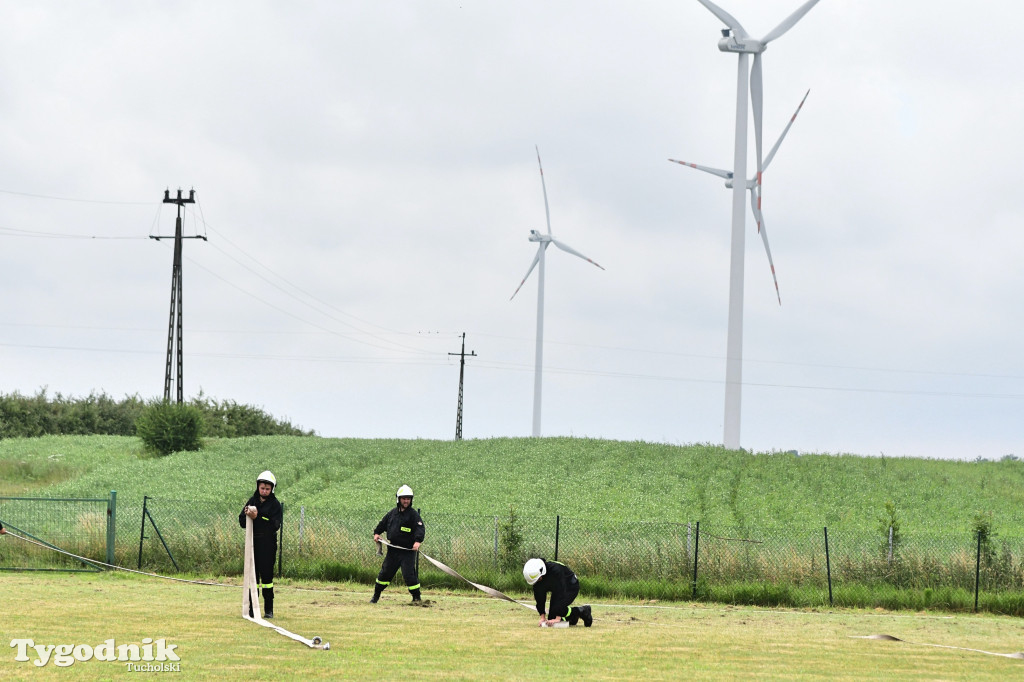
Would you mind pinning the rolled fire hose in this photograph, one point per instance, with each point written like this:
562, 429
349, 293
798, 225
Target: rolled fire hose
250, 596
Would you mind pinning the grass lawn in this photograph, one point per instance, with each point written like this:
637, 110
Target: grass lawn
465, 636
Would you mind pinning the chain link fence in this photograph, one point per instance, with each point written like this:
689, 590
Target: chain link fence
82, 526
652, 560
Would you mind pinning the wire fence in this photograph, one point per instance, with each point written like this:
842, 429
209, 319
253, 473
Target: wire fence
645, 559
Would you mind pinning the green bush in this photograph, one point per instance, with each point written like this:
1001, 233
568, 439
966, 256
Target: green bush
166, 427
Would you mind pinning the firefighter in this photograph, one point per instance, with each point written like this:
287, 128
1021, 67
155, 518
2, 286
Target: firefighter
404, 528
556, 578
266, 514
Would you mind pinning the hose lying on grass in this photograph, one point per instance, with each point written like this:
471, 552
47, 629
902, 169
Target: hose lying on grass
890, 638
249, 584
455, 574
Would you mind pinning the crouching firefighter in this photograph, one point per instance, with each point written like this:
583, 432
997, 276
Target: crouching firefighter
404, 528
556, 578
266, 514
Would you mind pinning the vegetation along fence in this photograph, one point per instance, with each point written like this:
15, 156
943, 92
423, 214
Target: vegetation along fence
807, 567
82, 526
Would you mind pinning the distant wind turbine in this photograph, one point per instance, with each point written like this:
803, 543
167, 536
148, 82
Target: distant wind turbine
752, 187
736, 40
543, 241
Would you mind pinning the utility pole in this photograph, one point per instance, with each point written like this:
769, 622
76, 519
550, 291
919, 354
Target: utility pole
462, 374
174, 328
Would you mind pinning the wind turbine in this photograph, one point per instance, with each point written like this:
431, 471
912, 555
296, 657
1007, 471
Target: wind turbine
543, 241
752, 187
735, 39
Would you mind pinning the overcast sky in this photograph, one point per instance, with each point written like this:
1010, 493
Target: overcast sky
366, 176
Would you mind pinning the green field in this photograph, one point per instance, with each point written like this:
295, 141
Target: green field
463, 636
583, 478
626, 514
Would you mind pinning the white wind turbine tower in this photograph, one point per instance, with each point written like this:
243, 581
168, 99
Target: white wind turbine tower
751, 186
735, 39
543, 241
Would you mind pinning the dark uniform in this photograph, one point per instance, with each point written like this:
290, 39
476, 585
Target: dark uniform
564, 587
269, 516
403, 527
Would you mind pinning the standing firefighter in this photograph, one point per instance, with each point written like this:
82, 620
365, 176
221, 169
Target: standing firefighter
266, 514
556, 578
404, 528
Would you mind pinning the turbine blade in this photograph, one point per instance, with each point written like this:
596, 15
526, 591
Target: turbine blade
726, 18
536, 259
569, 249
547, 213
714, 171
789, 21
771, 154
755, 207
757, 102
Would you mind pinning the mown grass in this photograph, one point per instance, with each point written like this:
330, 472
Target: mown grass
463, 636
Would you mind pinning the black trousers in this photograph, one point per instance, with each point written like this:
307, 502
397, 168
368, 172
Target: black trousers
264, 553
395, 559
561, 606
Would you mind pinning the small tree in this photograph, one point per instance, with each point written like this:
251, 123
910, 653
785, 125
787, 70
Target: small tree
510, 536
166, 427
889, 525
981, 524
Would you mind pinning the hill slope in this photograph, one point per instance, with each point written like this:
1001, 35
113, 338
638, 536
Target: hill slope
582, 478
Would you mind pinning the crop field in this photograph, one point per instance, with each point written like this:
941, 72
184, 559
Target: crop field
465, 636
585, 478
626, 515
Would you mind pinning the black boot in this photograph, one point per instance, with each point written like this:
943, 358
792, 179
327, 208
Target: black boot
377, 590
588, 619
415, 594
268, 602
574, 615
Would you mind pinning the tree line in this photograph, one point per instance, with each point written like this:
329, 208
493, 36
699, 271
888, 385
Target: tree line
29, 416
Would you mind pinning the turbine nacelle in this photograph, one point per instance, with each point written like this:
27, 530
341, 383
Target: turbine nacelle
536, 236
731, 43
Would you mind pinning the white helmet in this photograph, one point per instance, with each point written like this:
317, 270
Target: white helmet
267, 477
404, 491
534, 570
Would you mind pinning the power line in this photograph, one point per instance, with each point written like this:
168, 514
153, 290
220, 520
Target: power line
82, 201
16, 232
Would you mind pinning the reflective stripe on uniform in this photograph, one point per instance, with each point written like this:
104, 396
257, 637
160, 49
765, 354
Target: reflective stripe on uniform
414, 587
405, 530
381, 582
265, 586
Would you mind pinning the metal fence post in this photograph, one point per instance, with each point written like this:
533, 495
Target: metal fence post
977, 573
142, 531
111, 525
828, 568
558, 523
696, 548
